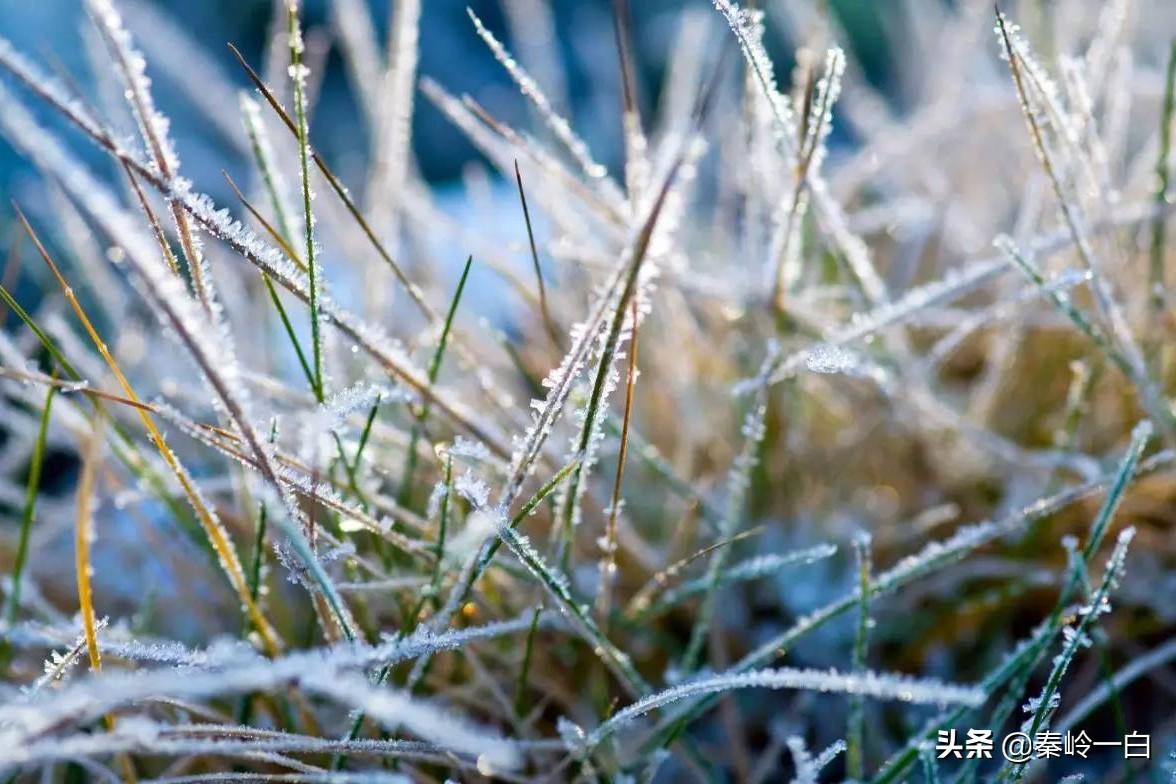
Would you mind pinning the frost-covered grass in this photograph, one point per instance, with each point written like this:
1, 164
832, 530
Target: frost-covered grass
787, 454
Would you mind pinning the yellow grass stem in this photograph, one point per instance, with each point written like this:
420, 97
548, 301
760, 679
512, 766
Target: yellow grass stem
217, 535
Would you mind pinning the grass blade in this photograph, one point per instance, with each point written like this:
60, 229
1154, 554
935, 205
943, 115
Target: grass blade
855, 735
1158, 297
218, 537
431, 375
28, 512
298, 73
552, 332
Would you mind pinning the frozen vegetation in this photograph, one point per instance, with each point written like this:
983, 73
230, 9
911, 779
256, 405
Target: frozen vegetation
823, 422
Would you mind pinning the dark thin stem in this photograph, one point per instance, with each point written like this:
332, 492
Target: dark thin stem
552, 332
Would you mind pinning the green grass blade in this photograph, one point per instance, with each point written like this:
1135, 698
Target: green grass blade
405, 496
28, 513
856, 731
298, 74
1158, 298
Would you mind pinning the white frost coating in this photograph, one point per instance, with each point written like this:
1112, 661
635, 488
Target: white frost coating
786, 239
829, 754
749, 31
1074, 637
551, 118
1040, 80
750, 569
202, 334
473, 489
950, 342
838, 360
559, 382
660, 245
49, 87
504, 146
424, 719
153, 125
333, 413
885, 686
439, 493
938, 554
951, 286
229, 669
559, 588
154, 129
471, 450
58, 664
479, 525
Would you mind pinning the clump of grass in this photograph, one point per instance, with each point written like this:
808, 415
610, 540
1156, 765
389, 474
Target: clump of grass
827, 500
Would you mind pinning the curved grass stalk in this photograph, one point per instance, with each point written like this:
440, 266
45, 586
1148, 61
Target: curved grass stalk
193, 329
218, 537
754, 568
868, 684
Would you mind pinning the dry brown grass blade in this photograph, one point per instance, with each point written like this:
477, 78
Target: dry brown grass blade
71, 386
642, 599
83, 537
156, 228
83, 565
604, 601
274, 234
11, 271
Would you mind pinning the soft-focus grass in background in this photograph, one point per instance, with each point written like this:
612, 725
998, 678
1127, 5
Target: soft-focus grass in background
805, 391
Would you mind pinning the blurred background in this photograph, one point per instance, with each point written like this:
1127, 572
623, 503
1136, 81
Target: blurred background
588, 85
